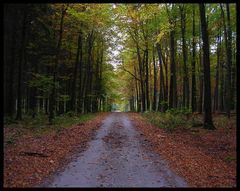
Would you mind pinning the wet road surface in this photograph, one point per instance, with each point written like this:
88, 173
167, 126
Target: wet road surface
116, 157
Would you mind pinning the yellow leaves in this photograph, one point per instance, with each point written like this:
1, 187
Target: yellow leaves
160, 36
96, 15
163, 32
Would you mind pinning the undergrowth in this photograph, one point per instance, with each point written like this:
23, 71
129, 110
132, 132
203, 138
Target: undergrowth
39, 125
172, 119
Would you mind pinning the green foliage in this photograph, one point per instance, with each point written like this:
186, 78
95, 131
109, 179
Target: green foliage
169, 121
230, 158
70, 114
70, 118
8, 120
221, 121
181, 111
64, 98
42, 82
39, 125
164, 103
10, 140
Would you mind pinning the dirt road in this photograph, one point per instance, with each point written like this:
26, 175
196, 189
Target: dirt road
119, 156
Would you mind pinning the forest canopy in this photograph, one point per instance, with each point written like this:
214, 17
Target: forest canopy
83, 58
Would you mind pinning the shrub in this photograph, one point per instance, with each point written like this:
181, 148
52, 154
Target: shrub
168, 121
9, 120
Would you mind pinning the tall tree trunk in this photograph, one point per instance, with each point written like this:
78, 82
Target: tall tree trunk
166, 93
228, 47
200, 101
137, 91
222, 79
100, 77
161, 104
154, 81
194, 101
89, 72
173, 82
184, 51
80, 95
216, 94
52, 100
147, 80
73, 90
143, 107
10, 40
229, 52
233, 89
208, 124
20, 65
33, 94
97, 80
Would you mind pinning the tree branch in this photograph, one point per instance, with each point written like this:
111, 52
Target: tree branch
124, 69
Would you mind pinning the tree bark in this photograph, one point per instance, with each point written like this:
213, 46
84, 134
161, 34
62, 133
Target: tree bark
20, 65
216, 94
52, 100
73, 89
10, 27
173, 82
147, 80
184, 52
143, 107
154, 82
161, 104
194, 102
208, 124
228, 47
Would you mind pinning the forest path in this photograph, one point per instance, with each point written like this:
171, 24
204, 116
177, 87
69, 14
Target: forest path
116, 157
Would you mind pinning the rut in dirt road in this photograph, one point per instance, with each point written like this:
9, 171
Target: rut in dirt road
117, 157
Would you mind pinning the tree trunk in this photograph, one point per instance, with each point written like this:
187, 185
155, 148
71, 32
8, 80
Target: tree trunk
166, 93
161, 104
184, 52
208, 124
52, 100
89, 73
154, 82
200, 101
147, 80
173, 82
73, 90
229, 67
228, 48
21, 61
194, 102
137, 91
143, 107
216, 94
10, 40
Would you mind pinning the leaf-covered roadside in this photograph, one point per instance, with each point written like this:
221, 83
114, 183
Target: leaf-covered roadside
24, 170
204, 158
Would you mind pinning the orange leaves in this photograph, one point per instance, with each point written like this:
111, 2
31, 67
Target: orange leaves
30, 170
200, 158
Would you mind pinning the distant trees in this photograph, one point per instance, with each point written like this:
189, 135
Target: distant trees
177, 36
